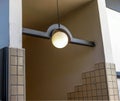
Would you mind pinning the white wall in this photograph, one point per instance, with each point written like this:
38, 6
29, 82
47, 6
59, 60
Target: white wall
15, 23
113, 14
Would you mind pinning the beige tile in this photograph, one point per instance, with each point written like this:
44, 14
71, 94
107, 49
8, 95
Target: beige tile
88, 87
115, 91
93, 80
114, 78
20, 90
113, 71
105, 98
13, 80
93, 86
110, 84
69, 99
95, 98
104, 92
84, 88
13, 98
112, 66
84, 94
13, 60
20, 61
80, 99
72, 95
84, 81
111, 92
20, 70
99, 92
13, 51
76, 94
112, 98
116, 98
94, 93
13, 90
97, 73
20, 79
20, 52
109, 78
98, 79
107, 65
108, 71
13, 70
90, 98
20, 98
88, 75
80, 94
115, 85
104, 86
103, 78
85, 98
102, 71
101, 65
99, 86
88, 80
89, 93
100, 98
80, 88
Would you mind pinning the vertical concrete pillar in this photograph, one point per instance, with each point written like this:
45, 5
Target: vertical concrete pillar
13, 53
110, 69
105, 31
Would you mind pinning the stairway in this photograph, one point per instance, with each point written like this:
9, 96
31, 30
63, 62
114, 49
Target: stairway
96, 85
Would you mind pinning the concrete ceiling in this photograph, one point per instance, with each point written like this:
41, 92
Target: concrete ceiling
42, 13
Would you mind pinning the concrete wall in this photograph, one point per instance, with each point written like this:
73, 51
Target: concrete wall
51, 73
113, 14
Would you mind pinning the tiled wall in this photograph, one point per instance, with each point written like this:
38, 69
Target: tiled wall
98, 84
112, 82
16, 74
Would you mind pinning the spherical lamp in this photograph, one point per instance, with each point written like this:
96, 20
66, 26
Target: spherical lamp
59, 39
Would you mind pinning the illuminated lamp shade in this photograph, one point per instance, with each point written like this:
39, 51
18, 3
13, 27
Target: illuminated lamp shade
59, 39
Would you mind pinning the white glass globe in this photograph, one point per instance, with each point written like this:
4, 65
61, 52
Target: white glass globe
59, 39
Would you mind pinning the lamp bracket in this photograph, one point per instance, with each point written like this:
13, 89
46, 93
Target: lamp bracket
54, 27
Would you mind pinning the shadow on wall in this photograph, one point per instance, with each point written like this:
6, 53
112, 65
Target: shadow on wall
1, 75
113, 4
1, 65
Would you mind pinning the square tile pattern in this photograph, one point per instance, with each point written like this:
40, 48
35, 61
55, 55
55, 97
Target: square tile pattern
99, 84
16, 74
